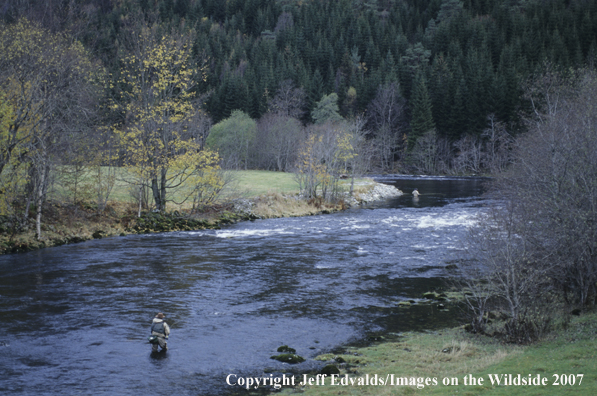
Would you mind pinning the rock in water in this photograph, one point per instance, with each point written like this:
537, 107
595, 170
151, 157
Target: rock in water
290, 358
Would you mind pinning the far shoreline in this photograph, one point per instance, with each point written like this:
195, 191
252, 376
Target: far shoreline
119, 219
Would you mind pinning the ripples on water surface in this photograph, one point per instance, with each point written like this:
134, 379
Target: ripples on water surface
75, 318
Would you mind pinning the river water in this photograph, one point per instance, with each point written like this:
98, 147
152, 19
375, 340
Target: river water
75, 318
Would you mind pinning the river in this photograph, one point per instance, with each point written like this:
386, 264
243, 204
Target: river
75, 318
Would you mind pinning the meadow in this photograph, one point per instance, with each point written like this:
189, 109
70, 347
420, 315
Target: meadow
565, 360
239, 184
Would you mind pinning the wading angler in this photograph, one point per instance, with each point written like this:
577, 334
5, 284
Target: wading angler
159, 333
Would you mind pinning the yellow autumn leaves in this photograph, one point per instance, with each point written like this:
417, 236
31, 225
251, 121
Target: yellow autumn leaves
158, 132
46, 84
324, 157
51, 95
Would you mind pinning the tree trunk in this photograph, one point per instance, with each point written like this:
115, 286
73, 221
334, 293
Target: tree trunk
41, 192
30, 190
156, 193
163, 190
140, 199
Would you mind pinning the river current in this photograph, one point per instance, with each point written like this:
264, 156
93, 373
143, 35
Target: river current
75, 318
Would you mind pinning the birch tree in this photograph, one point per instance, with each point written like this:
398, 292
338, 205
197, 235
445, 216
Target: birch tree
326, 154
52, 86
159, 107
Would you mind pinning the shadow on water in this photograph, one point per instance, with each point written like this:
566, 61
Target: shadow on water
78, 316
160, 355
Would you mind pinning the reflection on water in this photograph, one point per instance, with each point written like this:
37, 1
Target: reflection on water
78, 316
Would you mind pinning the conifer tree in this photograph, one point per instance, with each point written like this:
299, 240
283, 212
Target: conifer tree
315, 90
441, 98
326, 110
422, 118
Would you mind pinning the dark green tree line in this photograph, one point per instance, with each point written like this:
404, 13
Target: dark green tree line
473, 55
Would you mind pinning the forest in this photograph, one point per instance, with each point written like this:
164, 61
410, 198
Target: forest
167, 93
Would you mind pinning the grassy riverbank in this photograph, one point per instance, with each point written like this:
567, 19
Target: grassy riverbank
271, 194
454, 354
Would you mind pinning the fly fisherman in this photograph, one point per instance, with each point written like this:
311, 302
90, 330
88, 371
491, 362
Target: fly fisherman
416, 193
160, 329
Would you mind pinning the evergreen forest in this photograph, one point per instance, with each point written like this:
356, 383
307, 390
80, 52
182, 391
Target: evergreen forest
456, 62
472, 57
177, 89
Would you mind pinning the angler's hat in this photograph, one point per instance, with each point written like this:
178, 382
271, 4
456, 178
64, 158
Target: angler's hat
160, 316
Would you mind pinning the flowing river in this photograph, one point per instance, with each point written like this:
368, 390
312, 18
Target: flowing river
75, 318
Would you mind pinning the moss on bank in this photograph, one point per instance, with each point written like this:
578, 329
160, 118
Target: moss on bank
64, 224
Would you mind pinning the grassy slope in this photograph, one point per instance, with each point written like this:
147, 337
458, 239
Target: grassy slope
255, 183
569, 351
250, 183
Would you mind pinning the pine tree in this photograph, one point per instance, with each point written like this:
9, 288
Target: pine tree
389, 69
326, 110
422, 118
182, 8
439, 88
460, 123
315, 90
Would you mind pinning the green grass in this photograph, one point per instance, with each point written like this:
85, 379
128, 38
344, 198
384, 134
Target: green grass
452, 353
570, 352
251, 183
256, 183
64, 186
244, 183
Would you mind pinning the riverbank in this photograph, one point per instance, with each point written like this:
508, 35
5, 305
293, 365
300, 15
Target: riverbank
64, 224
453, 361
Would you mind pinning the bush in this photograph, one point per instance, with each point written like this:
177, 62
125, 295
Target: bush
537, 248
